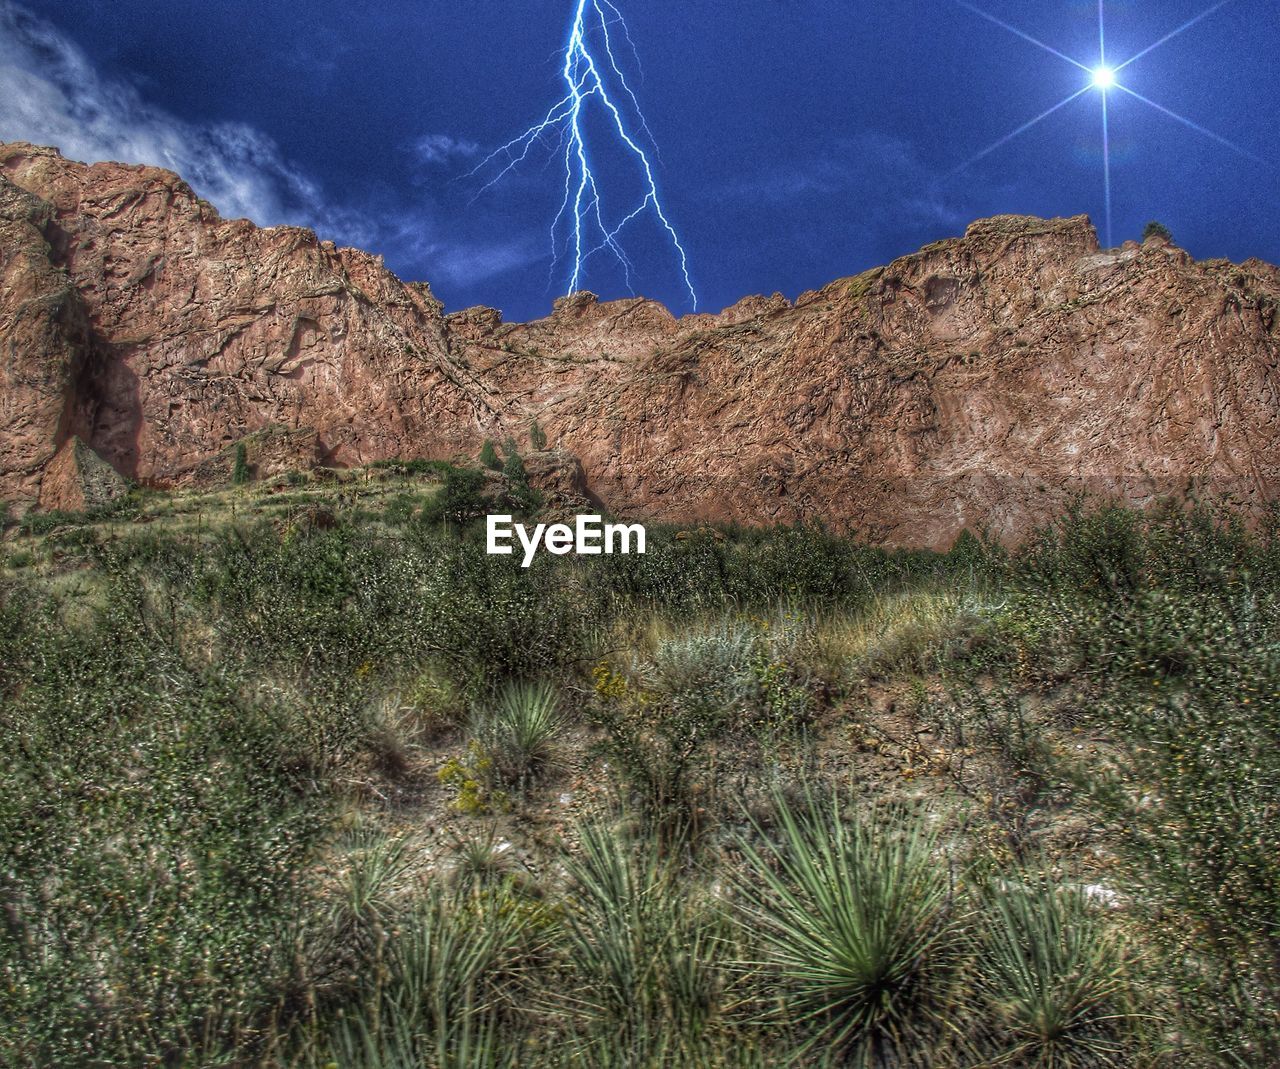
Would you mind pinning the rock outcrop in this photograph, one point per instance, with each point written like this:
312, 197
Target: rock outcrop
77, 479
978, 383
44, 346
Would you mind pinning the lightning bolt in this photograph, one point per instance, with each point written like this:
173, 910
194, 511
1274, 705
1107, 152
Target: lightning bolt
588, 77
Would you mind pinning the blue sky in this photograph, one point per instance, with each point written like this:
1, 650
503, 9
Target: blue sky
799, 141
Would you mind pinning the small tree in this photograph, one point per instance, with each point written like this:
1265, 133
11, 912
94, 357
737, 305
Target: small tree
522, 496
537, 437
240, 470
513, 469
489, 456
460, 499
1156, 229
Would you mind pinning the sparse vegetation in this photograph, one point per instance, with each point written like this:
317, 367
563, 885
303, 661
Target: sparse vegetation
1156, 229
240, 471
308, 779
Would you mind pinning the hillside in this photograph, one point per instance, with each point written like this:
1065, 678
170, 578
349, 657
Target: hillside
980, 382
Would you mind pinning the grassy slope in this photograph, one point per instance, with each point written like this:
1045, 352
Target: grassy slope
269, 799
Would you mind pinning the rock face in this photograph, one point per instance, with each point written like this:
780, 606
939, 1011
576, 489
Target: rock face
977, 383
77, 479
44, 346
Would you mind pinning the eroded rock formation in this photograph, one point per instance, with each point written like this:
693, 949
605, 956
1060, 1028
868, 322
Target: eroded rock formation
977, 383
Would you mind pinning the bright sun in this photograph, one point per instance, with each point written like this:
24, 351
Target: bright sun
1103, 77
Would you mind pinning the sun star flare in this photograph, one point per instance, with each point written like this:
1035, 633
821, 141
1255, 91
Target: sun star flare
1103, 78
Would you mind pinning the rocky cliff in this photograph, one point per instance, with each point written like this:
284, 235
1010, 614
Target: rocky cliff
977, 383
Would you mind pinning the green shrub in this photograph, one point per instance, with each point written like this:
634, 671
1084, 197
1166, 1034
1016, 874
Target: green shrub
519, 733
489, 456
1210, 885
1052, 974
461, 499
399, 510
1166, 624
240, 473
1156, 230
522, 497
148, 864
537, 437
487, 620
436, 702
661, 750
858, 925
703, 675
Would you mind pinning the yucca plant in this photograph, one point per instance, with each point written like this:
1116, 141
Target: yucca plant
643, 952
519, 733
473, 1043
480, 862
372, 867
440, 990
1052, 974
858, 927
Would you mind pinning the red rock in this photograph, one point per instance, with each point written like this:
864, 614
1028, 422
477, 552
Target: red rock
43, 346
979, 383
77, 479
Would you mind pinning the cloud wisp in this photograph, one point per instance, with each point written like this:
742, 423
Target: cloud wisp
870, 166
51, 94
439, 149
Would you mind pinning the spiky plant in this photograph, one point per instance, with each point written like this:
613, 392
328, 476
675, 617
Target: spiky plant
519, 732
439, 993
480, 861
1052, 974
372, 867
643, 951
857, 924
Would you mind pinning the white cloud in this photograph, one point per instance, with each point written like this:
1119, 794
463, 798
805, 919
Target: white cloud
464, 263
50, 94
441, 148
